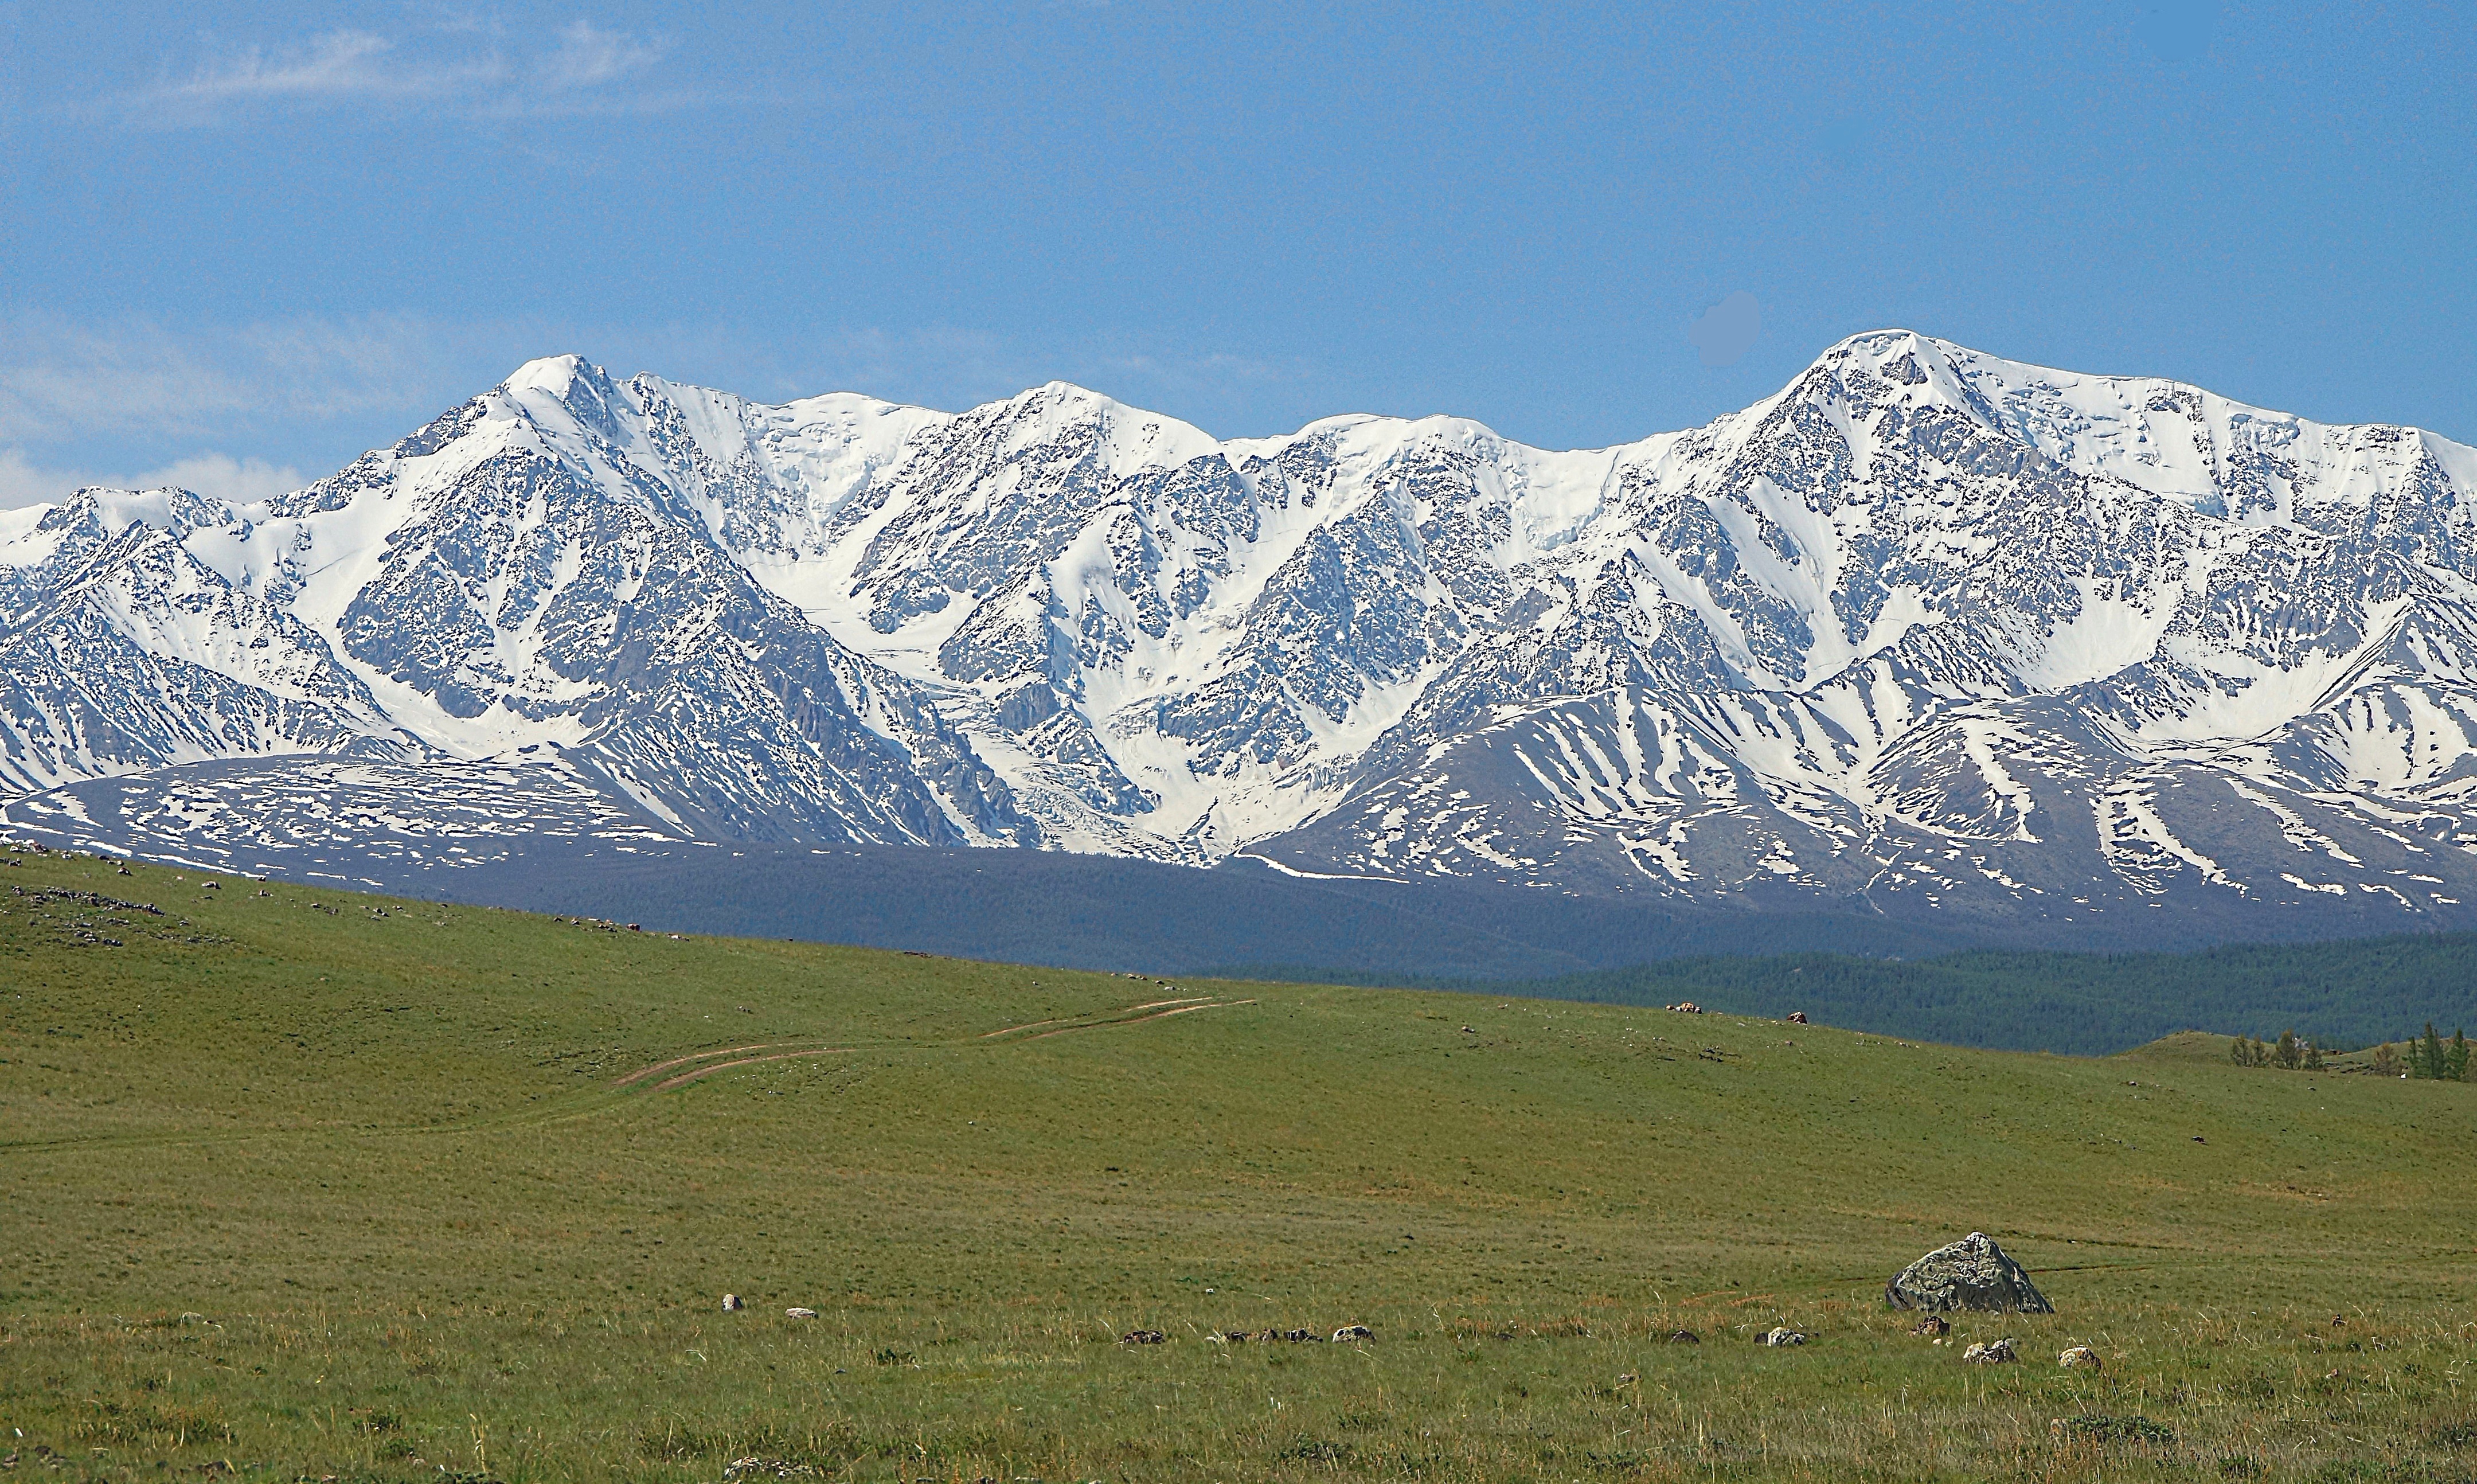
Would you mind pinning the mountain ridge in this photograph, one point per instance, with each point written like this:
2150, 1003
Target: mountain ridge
1925, 632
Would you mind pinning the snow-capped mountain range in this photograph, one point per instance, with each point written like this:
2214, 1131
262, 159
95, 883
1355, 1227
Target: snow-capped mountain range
1927, 632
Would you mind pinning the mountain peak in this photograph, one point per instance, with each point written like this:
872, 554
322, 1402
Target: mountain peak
552, 374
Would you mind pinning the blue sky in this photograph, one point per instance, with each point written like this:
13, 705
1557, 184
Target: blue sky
245, 241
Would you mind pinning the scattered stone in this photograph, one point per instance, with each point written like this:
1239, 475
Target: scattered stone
1468, 1031
797, 1313
1797, 1018
731, 1303
1687, 1007
2000, 1353
1933, 1325
2081, 1357
766, 1468
193, 1317
1971, 1273
1684, 1337
1142, 1336
1350, 1332
1782, 1335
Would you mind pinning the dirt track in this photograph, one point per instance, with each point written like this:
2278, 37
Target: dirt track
1132, 1014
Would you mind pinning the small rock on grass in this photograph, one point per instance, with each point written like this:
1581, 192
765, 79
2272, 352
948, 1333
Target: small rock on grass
1350, 1332
1997, 1354
1142, 1336
1933, 1327
1782, 1335
731, 1303
797, 1313
2081, 1357
1684, 1337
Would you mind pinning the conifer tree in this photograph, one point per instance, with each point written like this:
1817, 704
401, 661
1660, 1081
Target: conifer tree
2455, 1062
2287, 1054
2429, 1055
2313, 1056
2238, 1052
2387, 1062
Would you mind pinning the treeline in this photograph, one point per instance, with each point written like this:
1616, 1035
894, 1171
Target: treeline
2336, 995
2289, 1053
2429, 1057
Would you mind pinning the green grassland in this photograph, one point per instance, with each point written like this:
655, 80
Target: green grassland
299, 1184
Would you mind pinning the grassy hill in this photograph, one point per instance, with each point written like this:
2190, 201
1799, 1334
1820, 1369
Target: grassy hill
299, 1184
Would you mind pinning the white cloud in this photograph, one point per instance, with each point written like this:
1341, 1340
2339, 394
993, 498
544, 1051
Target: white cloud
218, 475
224, 477
454, 71
62, 381
587, 56
21, 484
341, 64
135, 401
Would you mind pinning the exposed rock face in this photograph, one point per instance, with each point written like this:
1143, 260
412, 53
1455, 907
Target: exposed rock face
1971, 1273
1928, 635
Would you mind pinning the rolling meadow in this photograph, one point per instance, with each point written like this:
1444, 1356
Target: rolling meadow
302, 1184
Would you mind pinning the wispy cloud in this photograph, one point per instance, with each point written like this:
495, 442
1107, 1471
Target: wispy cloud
351, 64
236, 410
77, 400
466, 70
64, 382
23, 482
588, 57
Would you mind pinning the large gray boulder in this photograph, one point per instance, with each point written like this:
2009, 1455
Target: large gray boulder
1971, 1273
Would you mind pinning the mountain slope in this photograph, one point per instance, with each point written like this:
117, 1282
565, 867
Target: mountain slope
1928, 634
